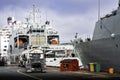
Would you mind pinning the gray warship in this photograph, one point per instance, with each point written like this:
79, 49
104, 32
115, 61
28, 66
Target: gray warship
104, 47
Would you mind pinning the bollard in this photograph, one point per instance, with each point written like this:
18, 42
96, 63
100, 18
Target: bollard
91, 67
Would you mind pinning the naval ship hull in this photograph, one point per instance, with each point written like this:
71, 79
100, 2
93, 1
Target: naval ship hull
104, 48
105, 51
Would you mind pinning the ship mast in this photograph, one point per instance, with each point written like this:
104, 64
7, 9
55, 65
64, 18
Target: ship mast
33, 13
98, 9
119, 3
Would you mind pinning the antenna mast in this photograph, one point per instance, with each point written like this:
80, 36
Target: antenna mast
33, 13
98, 9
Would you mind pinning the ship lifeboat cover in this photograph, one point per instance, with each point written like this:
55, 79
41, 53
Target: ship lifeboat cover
54, 41
19, 42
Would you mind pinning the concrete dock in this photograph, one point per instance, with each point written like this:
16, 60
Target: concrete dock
18, 73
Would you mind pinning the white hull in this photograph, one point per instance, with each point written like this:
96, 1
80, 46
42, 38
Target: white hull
55, 62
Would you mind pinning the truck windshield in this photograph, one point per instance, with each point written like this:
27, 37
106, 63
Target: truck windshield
35, 56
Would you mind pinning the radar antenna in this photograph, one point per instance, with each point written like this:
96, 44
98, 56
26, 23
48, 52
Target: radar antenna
76, 35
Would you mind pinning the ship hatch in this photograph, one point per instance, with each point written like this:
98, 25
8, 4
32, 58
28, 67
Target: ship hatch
21, 41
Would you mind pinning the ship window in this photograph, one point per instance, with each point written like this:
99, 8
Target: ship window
33, 31
5, 46
4, 49
76, 42
81, 40
38, 30
42, 30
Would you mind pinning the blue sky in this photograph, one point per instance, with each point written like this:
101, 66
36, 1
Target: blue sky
67, 16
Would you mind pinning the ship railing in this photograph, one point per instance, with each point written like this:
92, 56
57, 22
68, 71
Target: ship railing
81, 39
85, 38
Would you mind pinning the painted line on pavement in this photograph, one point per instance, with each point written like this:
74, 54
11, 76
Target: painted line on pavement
93, 74
28, 75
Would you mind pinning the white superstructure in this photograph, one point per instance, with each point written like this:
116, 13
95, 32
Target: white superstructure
4, 41
24, 35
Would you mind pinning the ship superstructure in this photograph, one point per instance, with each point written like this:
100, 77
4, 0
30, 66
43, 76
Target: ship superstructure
5, 34
19, 36
104, 48
25, 35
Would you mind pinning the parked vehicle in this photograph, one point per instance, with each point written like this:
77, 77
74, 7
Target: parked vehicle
33, 60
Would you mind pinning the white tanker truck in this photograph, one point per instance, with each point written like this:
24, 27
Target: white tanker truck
33, 60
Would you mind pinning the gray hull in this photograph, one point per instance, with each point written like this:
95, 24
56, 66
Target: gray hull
105, 51
104, 48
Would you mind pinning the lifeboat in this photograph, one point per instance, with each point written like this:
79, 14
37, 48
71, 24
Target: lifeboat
54, 42
19, 42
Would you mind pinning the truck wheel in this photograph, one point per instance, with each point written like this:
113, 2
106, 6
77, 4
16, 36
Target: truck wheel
28, 70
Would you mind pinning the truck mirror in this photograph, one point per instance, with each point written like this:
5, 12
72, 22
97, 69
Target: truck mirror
41, 56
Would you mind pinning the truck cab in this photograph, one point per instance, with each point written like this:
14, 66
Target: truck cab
33, 60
